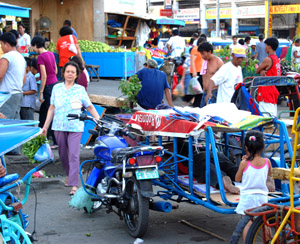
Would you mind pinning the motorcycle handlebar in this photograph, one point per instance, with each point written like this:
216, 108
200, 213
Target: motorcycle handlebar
44, 164
73, 115
131, 136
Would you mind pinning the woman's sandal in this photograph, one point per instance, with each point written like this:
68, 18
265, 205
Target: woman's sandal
73, 190
66, 182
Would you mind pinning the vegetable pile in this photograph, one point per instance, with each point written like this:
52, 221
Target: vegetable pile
30, 148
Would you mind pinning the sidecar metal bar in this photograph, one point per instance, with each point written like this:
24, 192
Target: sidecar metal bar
190, 190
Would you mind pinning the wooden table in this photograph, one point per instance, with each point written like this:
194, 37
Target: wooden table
93, 69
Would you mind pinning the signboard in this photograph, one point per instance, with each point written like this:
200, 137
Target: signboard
285, 9
251, 12
187, 14
168, 4
241, 12
225, 13
166, 12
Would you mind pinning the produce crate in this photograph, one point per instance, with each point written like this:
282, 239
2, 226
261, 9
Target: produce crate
112, 64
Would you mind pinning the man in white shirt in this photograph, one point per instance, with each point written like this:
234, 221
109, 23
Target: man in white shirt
234, 43
12, 76
229, 75
176, 44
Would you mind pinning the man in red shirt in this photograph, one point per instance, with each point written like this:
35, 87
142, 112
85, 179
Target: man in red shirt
267, 96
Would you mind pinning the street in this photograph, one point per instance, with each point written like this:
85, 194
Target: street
58, 223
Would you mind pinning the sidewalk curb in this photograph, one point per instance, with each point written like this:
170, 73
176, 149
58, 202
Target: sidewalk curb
20, 164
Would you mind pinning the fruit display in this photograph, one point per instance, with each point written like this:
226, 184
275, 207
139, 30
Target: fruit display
91, 47
52, 47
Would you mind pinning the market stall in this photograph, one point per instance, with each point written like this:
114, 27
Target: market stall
10, 15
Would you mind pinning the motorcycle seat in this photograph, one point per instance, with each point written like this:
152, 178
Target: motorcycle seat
118, 154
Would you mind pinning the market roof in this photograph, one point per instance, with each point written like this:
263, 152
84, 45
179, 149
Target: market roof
8, 9
166, 21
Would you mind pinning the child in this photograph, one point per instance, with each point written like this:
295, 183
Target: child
253, 172
29, 91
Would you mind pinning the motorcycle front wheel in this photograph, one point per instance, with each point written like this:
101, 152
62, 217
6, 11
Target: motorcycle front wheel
136, 215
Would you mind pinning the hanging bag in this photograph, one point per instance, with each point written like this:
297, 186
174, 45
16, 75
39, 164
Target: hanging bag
194, 87
72, 47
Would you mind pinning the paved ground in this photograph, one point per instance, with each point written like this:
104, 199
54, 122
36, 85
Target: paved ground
57, 223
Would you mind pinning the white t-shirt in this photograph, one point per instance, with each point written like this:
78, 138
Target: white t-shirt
226, 78
296, 49
24, 40
232, 46
177, 44
14, 76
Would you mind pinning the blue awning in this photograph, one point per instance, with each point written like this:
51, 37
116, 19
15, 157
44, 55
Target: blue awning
247, 27
170, 22
8, 9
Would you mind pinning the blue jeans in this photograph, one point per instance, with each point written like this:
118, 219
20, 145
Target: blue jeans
187, 79
213, 99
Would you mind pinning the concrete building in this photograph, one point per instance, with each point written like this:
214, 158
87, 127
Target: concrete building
236, 16
87, 17
243, 16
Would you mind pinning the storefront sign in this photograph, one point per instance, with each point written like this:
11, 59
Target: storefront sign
285, 9
225, 13
187, 14
168, 4
251, 12
166, 12
242, 12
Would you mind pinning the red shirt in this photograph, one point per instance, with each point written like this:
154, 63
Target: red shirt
62, 47
269, 94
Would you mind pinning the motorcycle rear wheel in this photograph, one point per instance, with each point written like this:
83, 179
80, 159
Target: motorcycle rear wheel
136, 215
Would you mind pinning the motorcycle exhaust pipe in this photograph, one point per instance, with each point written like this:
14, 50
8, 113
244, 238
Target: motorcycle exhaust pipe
161, 206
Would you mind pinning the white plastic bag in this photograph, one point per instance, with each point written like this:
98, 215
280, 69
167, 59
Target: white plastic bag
72, 47
194, 87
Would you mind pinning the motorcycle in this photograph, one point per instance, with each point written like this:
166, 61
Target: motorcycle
121, 178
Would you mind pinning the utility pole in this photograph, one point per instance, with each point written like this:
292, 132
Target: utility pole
218, 19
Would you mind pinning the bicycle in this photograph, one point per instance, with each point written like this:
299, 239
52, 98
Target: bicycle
13, 221
276, 223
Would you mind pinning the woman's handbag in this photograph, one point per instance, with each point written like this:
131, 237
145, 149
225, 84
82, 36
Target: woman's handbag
72, 47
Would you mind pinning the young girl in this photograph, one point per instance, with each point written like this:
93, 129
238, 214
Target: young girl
253, 172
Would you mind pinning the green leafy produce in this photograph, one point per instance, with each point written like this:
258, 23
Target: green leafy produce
30, 148
130, 89
93, 47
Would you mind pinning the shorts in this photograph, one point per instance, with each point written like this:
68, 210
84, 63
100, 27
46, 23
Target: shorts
250, 201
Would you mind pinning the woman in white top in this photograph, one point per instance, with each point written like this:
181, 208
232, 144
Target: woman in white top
24, 39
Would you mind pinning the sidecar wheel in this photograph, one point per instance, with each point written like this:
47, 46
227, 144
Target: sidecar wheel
136, 215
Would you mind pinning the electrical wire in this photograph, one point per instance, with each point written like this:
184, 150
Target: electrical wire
33, 234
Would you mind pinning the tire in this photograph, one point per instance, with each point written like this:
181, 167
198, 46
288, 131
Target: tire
136, 214
254, 234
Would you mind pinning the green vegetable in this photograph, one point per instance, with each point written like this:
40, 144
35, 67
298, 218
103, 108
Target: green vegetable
130, 89
30, 148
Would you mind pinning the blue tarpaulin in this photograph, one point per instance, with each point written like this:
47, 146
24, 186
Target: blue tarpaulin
170, 22
8, 9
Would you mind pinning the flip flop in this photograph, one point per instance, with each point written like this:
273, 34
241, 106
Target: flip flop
73, 190
66, 182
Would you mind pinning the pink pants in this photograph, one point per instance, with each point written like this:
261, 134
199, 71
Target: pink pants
69, 153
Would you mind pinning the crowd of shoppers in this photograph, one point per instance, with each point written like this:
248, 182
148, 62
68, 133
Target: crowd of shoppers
20, 75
